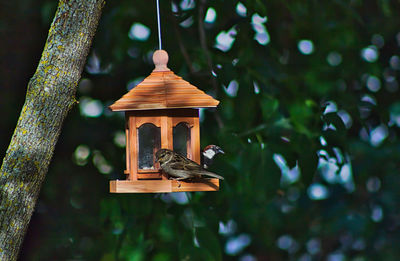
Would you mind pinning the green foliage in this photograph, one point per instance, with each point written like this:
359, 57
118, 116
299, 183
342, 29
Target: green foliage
311, 137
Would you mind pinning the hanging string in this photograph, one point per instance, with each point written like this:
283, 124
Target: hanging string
159, 25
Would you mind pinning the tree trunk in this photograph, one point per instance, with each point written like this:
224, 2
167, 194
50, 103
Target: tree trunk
50, 96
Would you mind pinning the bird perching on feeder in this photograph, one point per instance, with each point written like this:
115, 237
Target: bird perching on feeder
161, 112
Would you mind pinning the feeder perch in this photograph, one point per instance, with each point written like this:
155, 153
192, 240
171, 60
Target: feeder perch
161, 112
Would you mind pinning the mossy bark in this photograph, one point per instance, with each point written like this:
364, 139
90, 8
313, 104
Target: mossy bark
50, 95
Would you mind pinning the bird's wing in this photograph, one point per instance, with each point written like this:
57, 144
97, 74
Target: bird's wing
182, 163
187, 168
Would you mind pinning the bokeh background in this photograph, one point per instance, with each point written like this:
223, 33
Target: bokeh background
309, 119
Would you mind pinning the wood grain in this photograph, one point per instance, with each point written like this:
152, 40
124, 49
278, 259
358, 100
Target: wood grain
127, 147
204, 185
133, 145
162, 186
195, 141
152, 175
163, 90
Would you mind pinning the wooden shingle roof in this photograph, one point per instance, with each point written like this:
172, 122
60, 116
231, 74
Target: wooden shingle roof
163, 89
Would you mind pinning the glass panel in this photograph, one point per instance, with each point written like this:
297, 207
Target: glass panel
149, 139
181, 134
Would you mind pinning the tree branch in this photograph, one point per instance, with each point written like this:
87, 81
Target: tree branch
50, 96
181, 45
203, 43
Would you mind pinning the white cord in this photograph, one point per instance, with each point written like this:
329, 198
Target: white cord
159, 25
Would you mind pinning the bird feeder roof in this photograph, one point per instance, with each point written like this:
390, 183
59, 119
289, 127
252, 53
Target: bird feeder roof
163, 89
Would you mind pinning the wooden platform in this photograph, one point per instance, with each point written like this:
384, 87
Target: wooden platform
162, 186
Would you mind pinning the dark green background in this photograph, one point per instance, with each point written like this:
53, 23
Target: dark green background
263, 211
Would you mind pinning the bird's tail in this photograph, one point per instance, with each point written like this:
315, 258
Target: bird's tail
211, 174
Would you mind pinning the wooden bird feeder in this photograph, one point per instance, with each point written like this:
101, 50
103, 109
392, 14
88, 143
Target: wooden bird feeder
161, 112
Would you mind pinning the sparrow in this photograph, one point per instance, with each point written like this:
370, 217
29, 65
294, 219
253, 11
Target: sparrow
179, 167
208, 155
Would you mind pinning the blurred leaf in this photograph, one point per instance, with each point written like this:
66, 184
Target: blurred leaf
336, 120
269, 107
208, 240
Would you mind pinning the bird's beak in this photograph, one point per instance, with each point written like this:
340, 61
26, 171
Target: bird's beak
220, 151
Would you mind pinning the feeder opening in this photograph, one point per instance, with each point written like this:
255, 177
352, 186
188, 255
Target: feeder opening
181, 138
149, 139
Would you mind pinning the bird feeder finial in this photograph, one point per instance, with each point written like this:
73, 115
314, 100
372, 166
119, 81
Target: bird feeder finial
160, 59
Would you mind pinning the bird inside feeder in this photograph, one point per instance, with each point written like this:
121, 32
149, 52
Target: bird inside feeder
161, 112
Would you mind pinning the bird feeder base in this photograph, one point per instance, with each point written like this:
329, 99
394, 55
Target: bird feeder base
162, 186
